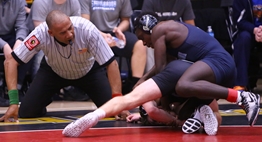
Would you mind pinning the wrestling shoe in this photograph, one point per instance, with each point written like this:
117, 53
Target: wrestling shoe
209, 120
191, 125
251, 104
77, 127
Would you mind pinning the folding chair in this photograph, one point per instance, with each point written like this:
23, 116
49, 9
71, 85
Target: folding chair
231, 28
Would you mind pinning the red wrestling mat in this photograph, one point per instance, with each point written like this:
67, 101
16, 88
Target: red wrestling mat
148, 134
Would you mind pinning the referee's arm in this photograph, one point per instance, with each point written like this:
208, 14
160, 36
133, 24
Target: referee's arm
10, 65
114, 77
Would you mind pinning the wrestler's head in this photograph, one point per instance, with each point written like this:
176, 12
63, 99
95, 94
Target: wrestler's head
144, 24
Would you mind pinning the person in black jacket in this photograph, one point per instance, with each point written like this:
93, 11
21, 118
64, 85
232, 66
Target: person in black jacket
247, 18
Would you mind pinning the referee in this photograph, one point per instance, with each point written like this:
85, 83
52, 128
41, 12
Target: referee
75, 54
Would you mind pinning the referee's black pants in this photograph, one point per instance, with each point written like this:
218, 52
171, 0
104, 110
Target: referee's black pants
46, 83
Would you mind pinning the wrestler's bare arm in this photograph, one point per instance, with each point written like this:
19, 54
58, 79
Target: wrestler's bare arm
163, 37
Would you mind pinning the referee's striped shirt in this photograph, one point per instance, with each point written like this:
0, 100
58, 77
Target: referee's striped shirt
88, 46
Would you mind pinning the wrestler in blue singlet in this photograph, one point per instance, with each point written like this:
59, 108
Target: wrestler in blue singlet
198, 46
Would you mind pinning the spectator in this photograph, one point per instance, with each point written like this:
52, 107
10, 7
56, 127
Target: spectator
180, 10
136, 4
112, 19
247, 17
12, 32
27, 6
27, 9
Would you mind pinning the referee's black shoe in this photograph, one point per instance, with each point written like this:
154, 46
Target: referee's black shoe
4, 102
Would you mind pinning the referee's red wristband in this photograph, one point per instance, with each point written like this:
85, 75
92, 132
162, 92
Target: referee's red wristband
115, 95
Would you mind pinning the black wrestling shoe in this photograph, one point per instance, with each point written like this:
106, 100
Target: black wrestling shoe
191, 125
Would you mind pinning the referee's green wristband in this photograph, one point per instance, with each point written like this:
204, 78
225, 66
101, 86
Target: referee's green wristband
13, 97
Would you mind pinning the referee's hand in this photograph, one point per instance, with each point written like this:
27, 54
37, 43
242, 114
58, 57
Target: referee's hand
11, 114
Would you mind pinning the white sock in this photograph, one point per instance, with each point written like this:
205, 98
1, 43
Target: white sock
99, 113
197, 116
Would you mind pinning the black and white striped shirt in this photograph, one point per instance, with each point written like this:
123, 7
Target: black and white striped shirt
88, 46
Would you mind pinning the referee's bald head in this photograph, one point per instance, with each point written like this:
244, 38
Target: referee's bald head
55, 17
